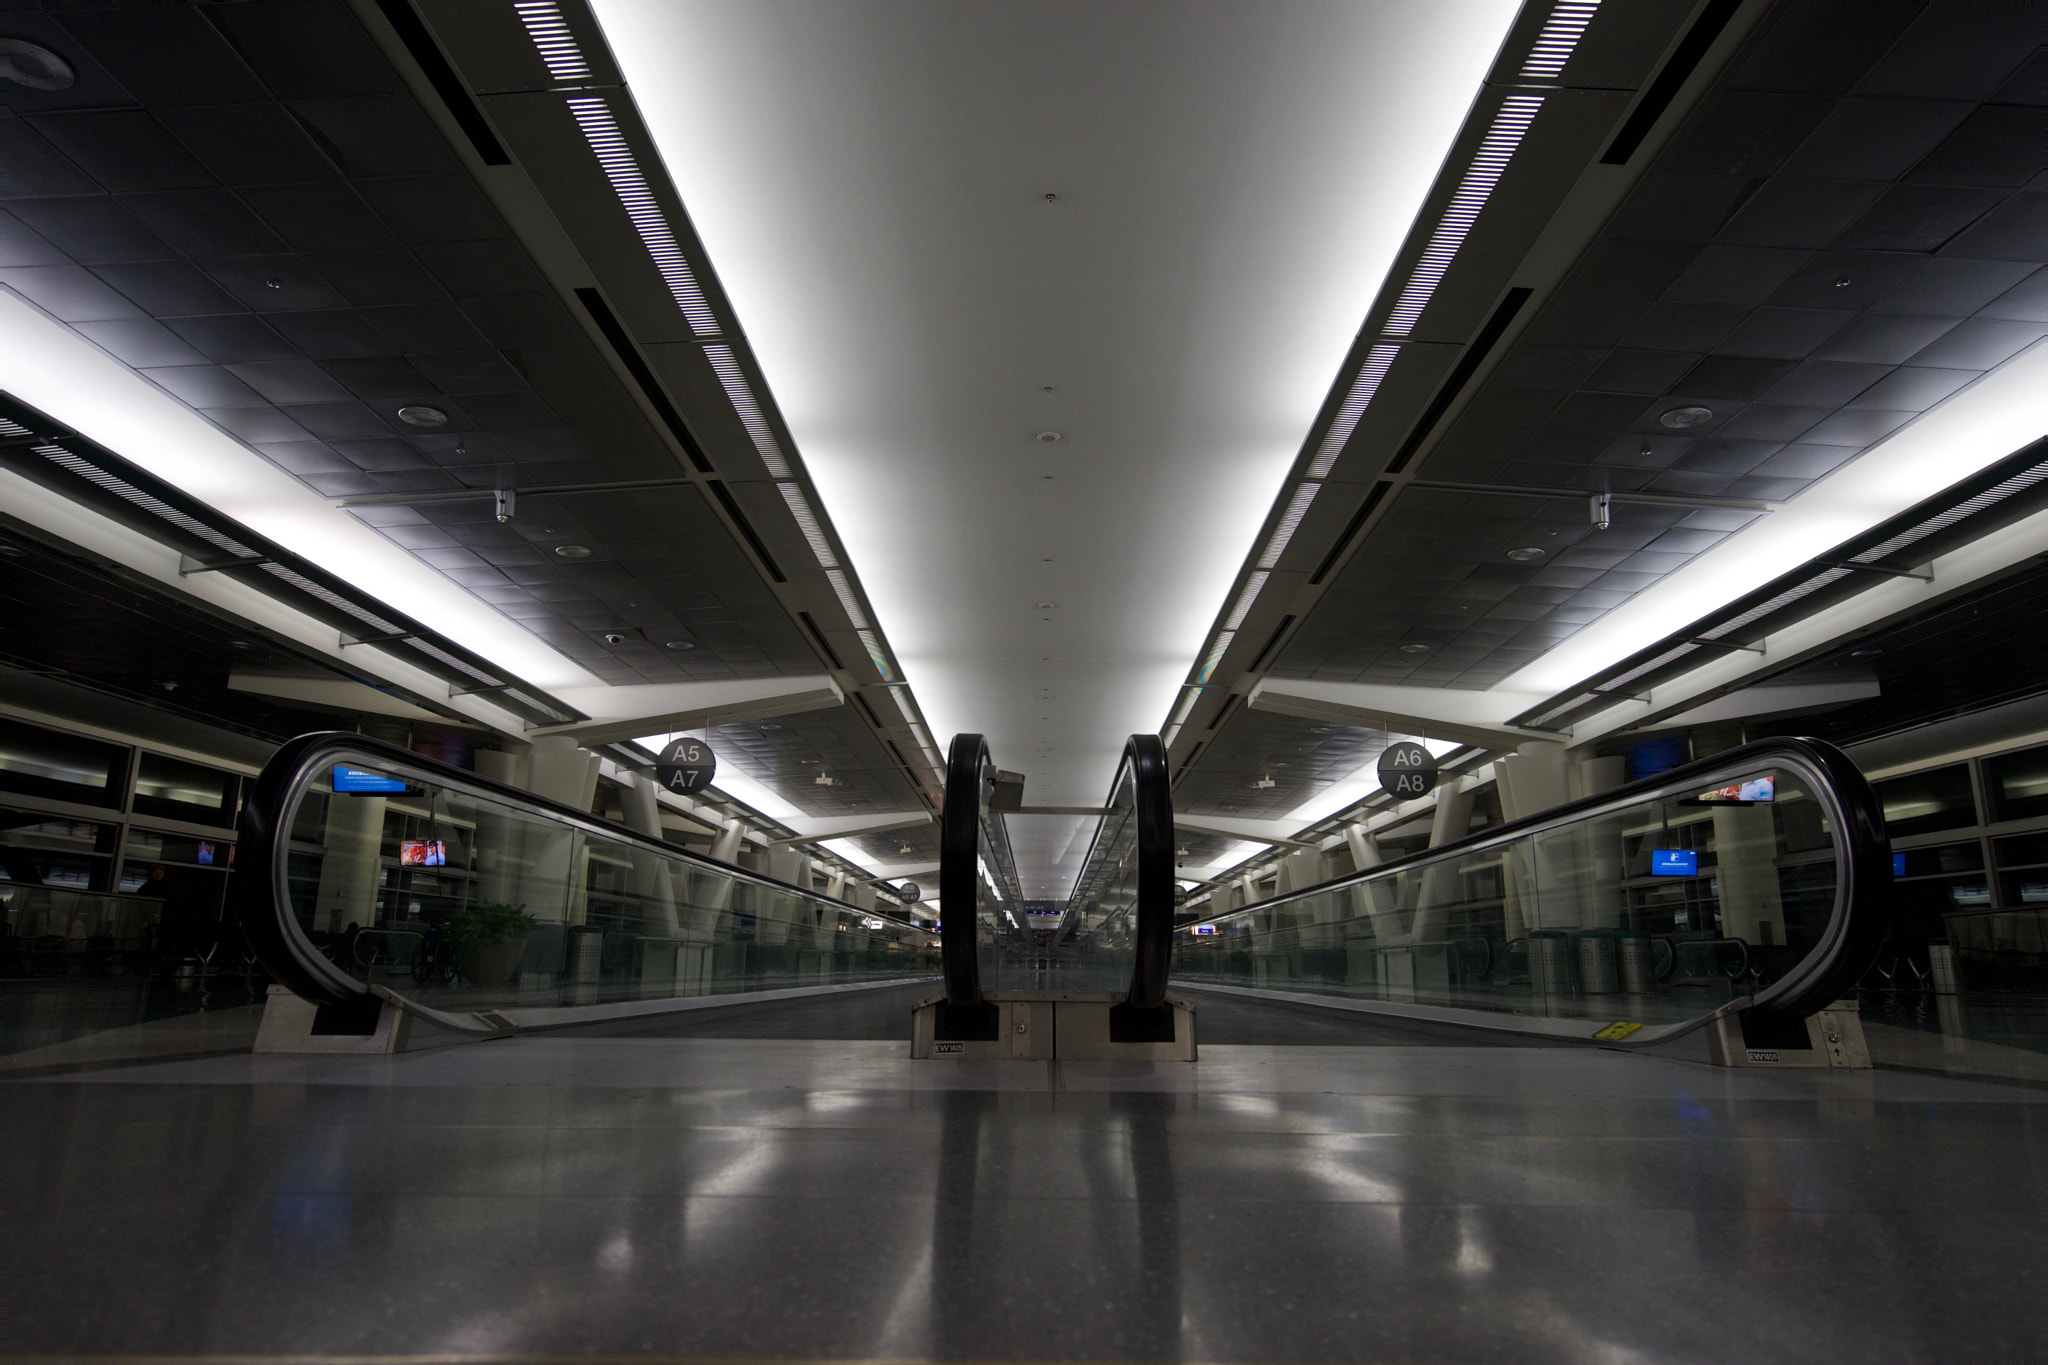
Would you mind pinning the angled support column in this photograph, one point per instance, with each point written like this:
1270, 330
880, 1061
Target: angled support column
621, 713
1476, 718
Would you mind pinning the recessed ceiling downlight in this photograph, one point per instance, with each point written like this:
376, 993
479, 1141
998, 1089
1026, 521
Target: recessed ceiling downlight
1049, 436
1678, 419
419, 415
1526, 554
680, 644
573, 551
1415, 649
34, 66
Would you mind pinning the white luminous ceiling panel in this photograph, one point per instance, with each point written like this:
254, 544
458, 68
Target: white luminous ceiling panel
53, 369
1049, 294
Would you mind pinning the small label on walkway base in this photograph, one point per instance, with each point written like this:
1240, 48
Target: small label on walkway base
949, 1047
1757, 1054
1617, 1031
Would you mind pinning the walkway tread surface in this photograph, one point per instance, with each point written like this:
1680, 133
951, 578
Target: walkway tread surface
789, 1198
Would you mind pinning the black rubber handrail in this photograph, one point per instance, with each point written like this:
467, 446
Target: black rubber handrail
1152, 949
1862, 915
970, 777
258, 899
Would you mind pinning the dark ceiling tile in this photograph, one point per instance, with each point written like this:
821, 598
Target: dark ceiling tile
2026, 301
1883, 340
249, 144
259, 425
1719, 518
1805, 461
22, 245
2029, 83
1999, 147
1630, 270
332, 334
1763, 489
499, 411
1782, 333
1917, 218
2016, 230
291, 381
1644, 372
69, 293
1851, 280
376, 136
306, 458
1742, 275
1498, 405
1602, 412
1697, 485
385, 276
1826, 383
313, 49
1551, 367
418, 328
164, 54
1562, 322
1950, 287
234, 337
1956, 49
1857, 427
343, 485
324, 217
123, 149
31, 168
205, 386
1726, 456
1674, 326
1790, 212
203, 222
480, 269
93, 231
1772, 422
1813, 48
273, 284
339, 422
1724, 376
388, 377
1686, 542
1872, 139
479, 371
1679, 208
168, 289
1981, 344
139, 343
1747, 133
1913, 388
431, 208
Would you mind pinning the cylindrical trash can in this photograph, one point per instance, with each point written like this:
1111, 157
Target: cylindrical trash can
586, 954
1550, 961
1596, 961
1941, 966
1635, 954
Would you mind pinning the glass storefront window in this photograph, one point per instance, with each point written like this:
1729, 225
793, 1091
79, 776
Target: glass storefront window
37, 849
1939, 860
2018, 784
1920, 803
39, 762
173, 789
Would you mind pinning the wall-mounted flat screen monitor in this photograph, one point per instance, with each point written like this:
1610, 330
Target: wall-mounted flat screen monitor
347, 779
1674, 862
1205, 928
1898, 864
422, 853
1738, 793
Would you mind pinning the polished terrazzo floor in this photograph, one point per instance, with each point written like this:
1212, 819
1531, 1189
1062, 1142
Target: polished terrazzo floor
787, 1198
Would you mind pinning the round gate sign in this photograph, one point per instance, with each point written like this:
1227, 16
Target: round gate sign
686, 766
1407, 770
910, 893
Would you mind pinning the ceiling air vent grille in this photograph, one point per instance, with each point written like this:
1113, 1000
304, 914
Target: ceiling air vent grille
551, 35
608, 145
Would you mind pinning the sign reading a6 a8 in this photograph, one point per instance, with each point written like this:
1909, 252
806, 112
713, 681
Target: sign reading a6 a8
686, 766
1407, 770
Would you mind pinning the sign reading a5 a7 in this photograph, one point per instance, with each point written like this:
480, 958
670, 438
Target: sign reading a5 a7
1407, 770
686, 766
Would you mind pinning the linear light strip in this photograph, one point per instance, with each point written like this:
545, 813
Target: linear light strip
807, 522
1290, 521
844, 588
342, 604
1370, 375
609, 146
121, 488
550, 33
1245, 599
1560, 35
874, 649
1517, 112
727, 365
1216, 653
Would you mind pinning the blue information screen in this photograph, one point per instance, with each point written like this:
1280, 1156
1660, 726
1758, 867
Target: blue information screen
1674, 862
347, 779
1898, 864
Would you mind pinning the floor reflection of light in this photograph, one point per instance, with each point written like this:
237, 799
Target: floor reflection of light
901, 1336
833, 1101
1328, 1167
1473, 1257
616, 1256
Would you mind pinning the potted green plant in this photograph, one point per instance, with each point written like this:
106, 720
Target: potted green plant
490, 938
